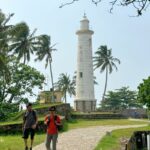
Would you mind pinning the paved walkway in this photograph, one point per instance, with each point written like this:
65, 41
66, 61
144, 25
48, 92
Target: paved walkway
83, 138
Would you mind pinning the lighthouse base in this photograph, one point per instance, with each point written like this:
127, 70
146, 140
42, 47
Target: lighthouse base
85, 106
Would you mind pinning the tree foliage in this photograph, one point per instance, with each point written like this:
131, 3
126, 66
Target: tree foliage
119, 99
45, 52
23, 80
66, 85
138, 5
17, 80
24, 42
104, 61
5, 36
144, 92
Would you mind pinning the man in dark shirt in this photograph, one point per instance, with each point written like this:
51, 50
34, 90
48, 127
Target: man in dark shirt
30, 121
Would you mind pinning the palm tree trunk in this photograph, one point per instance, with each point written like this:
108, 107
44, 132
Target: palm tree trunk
65, 98
106, 79
24, 61
51, 73
11, 98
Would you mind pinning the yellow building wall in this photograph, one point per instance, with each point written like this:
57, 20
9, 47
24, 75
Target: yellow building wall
46, 96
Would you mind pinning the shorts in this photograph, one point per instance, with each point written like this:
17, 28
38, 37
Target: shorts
28, 131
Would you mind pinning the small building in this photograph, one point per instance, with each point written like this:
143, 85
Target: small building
46, 96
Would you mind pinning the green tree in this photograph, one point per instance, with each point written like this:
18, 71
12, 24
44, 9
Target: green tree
24, 42
104, 61
23, 79
111, 102
7, 110
128, 98
66, 85
45, 52
5, 36
144, 92
119, 99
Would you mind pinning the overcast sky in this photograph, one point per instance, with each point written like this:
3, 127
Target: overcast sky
129, 37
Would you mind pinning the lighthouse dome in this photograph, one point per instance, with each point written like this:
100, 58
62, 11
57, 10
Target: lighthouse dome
84, 23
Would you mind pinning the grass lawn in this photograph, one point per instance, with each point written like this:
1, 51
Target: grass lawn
15, 142
82, 123
16, 117
38, 106
41, 118
111, 142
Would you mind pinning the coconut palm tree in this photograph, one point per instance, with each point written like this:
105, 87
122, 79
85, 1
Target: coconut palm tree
5, 38
104, 61
45, 52
24, 42
65, 85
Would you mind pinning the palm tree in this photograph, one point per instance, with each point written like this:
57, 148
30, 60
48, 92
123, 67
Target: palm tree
24, 42
105, 62
65, 85
5, 38
45, 52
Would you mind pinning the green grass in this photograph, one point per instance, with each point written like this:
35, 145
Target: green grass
17, 119
111, 142
10, 122
38, 106
15, 142
82, 123
41, 118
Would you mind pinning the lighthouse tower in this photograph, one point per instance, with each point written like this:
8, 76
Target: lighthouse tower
85, 100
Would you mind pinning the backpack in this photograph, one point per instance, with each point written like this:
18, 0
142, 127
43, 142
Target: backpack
59, 127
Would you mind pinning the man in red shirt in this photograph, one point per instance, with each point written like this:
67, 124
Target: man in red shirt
52, 121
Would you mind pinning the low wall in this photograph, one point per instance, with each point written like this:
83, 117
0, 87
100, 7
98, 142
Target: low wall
17, 127
134, 113
62, 109
98, 116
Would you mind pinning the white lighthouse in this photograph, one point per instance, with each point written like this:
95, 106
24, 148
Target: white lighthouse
85, 99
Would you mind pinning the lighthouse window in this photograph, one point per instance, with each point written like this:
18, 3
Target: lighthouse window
81, 74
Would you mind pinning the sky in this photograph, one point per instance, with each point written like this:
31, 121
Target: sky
126, 35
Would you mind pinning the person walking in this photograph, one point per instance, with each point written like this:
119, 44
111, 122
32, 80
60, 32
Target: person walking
52, 121
30, 121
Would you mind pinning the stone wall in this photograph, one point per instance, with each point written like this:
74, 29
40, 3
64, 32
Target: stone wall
98, 116
134, 113
17, 127
64, 110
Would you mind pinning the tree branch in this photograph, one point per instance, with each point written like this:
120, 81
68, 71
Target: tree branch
112, 5
139, 5
96, 2
68, 3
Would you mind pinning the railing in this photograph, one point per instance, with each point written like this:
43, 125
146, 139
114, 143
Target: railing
139, 141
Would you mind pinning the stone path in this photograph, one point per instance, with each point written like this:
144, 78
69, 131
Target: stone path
83, 138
